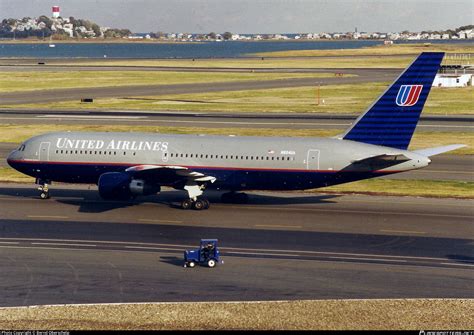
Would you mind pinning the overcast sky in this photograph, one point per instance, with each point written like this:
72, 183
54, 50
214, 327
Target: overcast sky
255, 16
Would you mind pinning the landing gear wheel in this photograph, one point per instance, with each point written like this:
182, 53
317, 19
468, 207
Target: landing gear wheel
199, 204
191, 264
211, 263
44, 195
207, 204
186, 204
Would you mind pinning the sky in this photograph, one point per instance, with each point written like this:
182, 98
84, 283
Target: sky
255, 16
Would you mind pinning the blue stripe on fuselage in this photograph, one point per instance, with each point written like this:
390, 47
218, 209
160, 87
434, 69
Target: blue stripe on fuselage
226, 177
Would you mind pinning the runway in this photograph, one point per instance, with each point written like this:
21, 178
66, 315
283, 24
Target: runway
76, 248
461, 123
42, 96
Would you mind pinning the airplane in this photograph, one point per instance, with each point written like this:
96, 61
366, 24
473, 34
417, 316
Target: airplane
127, 164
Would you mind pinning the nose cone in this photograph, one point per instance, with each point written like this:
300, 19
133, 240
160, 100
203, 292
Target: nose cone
12, 157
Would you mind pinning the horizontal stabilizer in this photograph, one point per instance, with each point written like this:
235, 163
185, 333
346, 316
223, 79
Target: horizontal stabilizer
377, 162
438, 150
396, 158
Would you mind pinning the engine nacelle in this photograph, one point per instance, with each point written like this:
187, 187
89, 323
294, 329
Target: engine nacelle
139, 187
115, 185
121, 186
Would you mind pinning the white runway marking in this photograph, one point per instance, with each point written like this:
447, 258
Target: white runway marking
47, 216
92, 117
403, 231
65, 244
159, 221
276, 226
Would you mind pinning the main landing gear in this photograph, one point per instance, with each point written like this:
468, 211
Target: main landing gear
43, 188
198, 204
195, 201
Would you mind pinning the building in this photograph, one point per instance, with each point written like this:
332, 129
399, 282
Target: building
453, 80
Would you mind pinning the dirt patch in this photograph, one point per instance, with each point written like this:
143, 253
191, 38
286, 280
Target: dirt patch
293, 315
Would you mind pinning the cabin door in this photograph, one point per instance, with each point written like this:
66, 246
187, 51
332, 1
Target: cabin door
44, 151
312, 159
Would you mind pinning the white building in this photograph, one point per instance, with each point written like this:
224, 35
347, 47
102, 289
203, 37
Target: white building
453, 80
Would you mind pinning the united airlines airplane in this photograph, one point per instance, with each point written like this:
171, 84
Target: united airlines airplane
124, 165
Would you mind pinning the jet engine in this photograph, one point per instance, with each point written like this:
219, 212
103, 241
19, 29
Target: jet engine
121, 186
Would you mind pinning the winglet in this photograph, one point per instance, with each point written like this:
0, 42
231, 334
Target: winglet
439, 150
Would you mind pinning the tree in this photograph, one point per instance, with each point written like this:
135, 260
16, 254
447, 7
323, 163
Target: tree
73, 21
212, 35
227, 35
47, 21
96, 30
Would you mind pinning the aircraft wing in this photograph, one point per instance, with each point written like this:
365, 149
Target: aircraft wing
168, 174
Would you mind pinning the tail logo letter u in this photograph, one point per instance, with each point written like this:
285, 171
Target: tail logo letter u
408, 95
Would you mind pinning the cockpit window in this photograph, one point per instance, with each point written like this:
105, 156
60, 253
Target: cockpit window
21, 148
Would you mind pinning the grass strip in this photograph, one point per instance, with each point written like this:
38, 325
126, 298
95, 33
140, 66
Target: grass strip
333, 99
48, 80
415, 188
377, 50
341, 314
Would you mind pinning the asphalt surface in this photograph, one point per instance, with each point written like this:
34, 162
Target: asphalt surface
76, 248
41, 96
461, 123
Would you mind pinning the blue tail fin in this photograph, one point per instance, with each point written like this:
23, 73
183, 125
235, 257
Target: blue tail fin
392, 119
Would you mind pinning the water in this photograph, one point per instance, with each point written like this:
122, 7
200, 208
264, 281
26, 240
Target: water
176, 50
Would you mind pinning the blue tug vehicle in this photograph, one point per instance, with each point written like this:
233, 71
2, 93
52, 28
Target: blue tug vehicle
208, 254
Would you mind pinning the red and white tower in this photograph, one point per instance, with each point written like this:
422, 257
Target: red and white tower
55, 11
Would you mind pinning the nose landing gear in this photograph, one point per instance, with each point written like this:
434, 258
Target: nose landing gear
43, 188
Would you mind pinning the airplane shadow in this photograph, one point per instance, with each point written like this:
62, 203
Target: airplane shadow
461, 259
89, 201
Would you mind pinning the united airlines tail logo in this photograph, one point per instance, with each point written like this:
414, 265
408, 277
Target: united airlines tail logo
408, 95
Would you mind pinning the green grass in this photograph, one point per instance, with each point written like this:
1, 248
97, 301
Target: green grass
18, 133
378, 50
337, 99
7, 174
27, 81
424, 188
